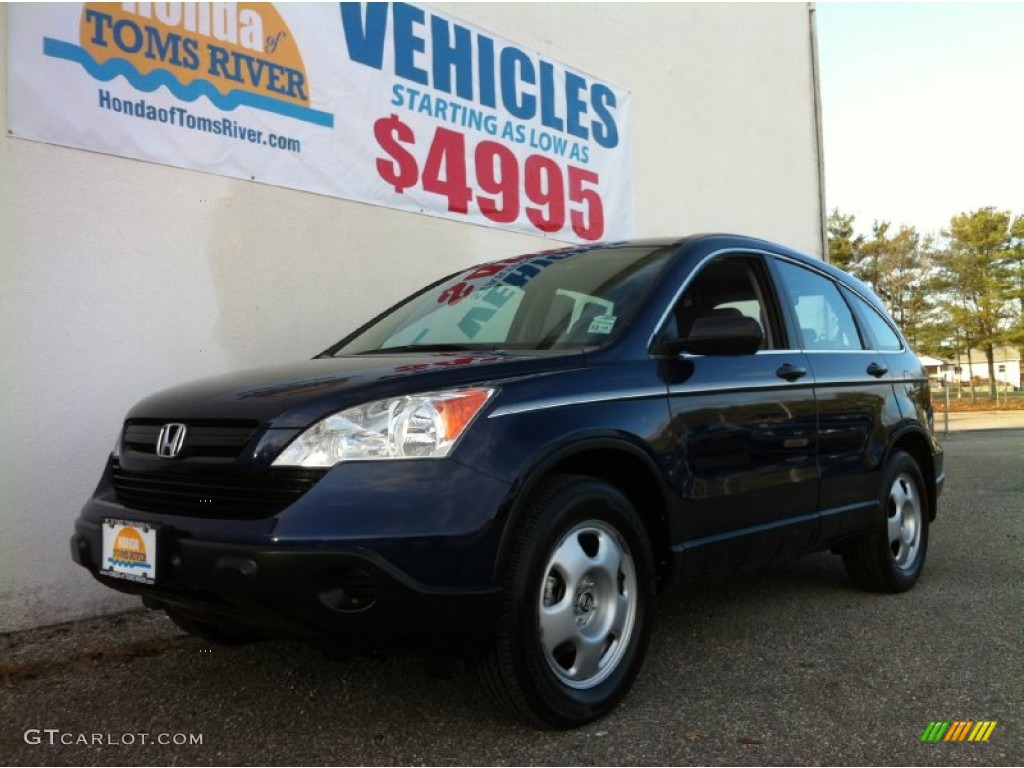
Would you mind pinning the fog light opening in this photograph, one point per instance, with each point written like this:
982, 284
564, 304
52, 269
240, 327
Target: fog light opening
354, 590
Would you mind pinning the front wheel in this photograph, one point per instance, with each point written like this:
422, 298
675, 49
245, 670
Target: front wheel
577, 613
890, 557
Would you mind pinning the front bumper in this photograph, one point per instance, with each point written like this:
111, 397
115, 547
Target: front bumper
317, 592
375, 551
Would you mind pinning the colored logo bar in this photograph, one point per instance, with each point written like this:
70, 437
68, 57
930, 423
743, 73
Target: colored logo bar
958, 730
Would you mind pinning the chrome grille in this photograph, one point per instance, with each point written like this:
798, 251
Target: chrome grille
215, 439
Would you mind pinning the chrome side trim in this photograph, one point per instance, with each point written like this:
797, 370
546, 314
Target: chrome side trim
798, 384
561, 402
820, 351
644, 394
761, 387
861, 382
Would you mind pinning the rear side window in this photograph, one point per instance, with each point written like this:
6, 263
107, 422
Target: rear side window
883, 337
825, 320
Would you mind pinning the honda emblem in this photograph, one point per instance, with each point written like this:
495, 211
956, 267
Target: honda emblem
170, 440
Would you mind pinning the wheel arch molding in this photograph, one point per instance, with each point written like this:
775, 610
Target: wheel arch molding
918, 444
615, 459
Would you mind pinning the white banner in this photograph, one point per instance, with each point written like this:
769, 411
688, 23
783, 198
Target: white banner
384, 103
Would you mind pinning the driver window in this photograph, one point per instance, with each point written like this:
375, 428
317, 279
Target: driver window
728, 286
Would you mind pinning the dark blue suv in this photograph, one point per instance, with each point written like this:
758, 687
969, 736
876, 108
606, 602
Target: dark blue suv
514, 461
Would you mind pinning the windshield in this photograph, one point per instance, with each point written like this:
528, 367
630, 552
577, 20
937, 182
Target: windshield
557, 299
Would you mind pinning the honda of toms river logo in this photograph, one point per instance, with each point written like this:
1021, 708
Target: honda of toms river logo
234, 54
130, 550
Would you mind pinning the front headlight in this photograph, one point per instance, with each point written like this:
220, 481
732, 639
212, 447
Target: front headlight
422, 426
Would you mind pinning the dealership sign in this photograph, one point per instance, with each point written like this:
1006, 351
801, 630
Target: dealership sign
390, 104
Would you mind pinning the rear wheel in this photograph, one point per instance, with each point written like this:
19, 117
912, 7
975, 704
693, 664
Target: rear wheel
577, 614
890, 558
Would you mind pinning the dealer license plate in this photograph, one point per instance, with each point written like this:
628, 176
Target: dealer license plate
129, 551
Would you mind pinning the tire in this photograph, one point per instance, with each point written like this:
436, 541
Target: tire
577, 611
218, 634
890, 558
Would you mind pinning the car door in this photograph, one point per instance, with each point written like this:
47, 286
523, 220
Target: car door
744, 467
910, 383
853, 389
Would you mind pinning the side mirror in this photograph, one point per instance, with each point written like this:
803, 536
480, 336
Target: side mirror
731, 335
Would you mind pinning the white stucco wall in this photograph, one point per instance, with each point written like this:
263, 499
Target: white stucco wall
117, 279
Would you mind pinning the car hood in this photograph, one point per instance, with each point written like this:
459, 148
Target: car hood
296, 395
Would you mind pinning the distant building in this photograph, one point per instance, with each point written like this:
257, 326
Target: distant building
1007, 362
937, 368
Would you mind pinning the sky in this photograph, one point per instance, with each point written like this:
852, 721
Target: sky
922, 110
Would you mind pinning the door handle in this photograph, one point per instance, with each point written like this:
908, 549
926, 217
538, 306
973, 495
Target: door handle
790, 372
876, 370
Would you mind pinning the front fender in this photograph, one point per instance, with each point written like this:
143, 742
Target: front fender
593, 453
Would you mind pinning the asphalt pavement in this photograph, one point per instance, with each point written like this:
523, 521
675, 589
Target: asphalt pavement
790, 665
